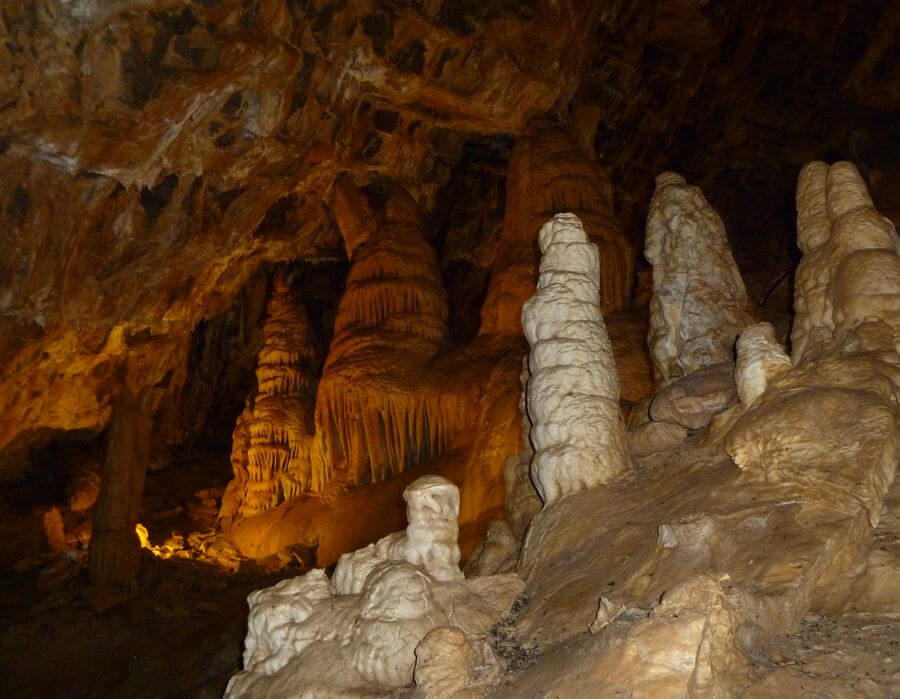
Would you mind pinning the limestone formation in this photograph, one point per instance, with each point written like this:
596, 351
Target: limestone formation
115, 553
497, 553
760, 358
692, 401
384, 622
647, 436
272, 455
550, 174
741, 554
839, 233
521, 501
573, 390
430, 539
699, 303
445, 662
374, 415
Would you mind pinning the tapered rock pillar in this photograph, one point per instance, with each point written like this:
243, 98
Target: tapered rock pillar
115, 552
573, 392
699, 303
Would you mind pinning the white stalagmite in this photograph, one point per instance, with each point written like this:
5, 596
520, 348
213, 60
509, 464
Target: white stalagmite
849, 265
430, 539
573, 391
699, 301
759, 359
363, 630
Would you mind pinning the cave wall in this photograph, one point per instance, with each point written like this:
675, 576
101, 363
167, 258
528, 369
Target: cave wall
157, 153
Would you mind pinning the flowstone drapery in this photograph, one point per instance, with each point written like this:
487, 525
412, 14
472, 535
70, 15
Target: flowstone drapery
573, 389
375, 416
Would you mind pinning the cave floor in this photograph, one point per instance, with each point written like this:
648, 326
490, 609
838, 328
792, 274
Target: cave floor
180, 634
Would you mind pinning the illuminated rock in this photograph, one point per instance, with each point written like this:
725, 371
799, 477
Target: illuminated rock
310, 635
647, 436
760, 358
573, 390
699, 302
841, 235
271, 453
445, 662
376, 413
430, 539
692, 400
548, 174
743, 554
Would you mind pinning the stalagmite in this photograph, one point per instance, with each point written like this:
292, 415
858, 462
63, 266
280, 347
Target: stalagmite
430, 539
573, 391
375, 415
381, 622
114, 552
548, 174
759, 359
699, 303
272, 454
841, 235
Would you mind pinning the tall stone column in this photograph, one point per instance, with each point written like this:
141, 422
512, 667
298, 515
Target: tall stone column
114, 555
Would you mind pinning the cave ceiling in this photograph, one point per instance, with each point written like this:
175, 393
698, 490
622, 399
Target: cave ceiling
155, 154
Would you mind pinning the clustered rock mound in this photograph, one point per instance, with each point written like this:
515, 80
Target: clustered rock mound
665, 579
396, 610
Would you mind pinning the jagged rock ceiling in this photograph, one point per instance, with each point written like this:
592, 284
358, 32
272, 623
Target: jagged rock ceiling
157, 153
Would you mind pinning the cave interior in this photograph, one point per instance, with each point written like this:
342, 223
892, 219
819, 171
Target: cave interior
263, 266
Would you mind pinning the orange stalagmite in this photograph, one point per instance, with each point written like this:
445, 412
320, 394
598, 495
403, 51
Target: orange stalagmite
272, 447
550, 174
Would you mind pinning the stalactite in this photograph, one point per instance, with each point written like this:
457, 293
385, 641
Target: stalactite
375, 413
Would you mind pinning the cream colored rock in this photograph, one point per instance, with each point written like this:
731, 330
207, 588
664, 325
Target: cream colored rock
432, 508
849, 258
573, 390
699, 303
397, 610
744, 554
445, 662
497, 553
430, 539
759, 359
362, 632
693, 400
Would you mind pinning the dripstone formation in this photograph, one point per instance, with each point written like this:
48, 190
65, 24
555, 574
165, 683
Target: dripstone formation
573, 390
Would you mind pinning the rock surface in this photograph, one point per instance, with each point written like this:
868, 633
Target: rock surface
699, 303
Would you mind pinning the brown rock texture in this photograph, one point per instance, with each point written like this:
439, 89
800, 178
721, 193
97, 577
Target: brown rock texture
185, 144
550, 174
